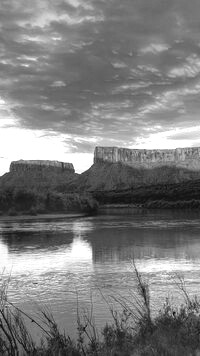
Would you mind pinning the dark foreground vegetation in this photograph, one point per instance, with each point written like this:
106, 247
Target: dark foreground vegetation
15, 201
179, 195
134, 332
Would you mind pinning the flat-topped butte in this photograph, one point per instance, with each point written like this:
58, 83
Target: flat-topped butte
142, 158
24, 165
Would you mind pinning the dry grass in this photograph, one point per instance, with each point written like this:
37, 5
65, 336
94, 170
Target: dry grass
134, 332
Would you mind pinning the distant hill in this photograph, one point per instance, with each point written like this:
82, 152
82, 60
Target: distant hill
151, 178
106, 176
33, 187
121, 168
39, 175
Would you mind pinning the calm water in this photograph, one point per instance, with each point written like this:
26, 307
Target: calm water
53, 260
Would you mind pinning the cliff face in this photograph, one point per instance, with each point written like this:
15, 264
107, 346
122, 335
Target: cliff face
120, 168
188, 158
36, 165
43, 175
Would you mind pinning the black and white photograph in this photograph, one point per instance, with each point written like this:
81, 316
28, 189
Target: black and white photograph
100, 177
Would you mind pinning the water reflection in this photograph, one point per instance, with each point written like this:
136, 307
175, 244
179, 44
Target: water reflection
39, 252
80, 228
80, 251
4, 255
121, 244
51, 259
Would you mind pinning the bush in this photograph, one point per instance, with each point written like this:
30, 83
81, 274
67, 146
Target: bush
31, 211
33, 202
134, 332
12, 212
24, 199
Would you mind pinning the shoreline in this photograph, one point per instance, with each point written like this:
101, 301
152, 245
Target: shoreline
42, 216
119, 206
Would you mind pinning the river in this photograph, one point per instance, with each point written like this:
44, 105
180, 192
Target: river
60, 263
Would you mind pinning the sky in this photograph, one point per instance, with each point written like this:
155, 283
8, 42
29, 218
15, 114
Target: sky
75, 74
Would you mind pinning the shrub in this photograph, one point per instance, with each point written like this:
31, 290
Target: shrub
134, 332
12, 212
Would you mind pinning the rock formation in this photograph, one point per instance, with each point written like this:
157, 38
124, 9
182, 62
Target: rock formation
121, 168
39, 174
27, 165
113, 169
188, 158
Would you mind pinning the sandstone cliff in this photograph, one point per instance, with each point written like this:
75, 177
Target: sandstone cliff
120, 168
113, 169
188, 158
38, 174
26, 165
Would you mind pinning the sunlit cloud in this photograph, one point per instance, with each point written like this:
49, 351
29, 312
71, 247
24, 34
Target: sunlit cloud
92, 72
167, 101
178, 137
154, 48
190, 69
58, 83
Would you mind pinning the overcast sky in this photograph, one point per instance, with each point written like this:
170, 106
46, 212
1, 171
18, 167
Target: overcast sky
75, 74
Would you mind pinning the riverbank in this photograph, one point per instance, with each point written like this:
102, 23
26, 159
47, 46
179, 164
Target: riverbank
133, 332
15, 202
154, 204
184, 195
42, 216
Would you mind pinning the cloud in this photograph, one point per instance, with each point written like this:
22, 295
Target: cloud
154, 48
190, 69
186, 134
58, 83
113, 71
